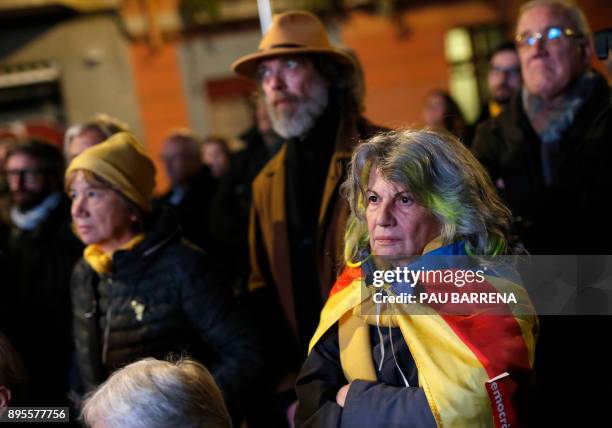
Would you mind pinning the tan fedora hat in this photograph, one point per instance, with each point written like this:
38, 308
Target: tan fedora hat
292, 33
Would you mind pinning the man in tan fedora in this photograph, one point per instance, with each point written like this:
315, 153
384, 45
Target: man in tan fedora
297, 215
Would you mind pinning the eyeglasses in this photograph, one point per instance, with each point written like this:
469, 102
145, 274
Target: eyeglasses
551, 34
511, 71
24, 174
285, 65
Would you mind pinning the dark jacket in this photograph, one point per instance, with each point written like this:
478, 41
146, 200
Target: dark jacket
181, 311
570, 216
229, 215
194, 209
385, 403
273, 270
36, 289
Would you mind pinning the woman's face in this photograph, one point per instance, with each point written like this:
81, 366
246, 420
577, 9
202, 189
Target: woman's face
434, 111
100, 215
398, 225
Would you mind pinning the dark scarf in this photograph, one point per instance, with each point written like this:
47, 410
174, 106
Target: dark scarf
551, 119
306, 166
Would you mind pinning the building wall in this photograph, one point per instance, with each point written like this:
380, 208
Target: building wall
170, 85
404, 58
96, 72
161, 101
207, 58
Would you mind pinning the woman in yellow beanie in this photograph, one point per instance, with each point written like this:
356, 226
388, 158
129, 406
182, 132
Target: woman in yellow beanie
140, 290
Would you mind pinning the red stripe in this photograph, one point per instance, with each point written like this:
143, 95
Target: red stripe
496, 340
347, 276
494, 336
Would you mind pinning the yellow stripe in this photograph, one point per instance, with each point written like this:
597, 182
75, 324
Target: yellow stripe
336, 306
354, 340
451, 375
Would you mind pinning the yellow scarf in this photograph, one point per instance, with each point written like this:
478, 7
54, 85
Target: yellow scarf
100, 261
494, 109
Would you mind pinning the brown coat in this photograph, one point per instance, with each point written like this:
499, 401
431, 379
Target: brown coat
268, 234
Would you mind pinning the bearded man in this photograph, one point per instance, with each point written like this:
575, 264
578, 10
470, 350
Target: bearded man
297, 215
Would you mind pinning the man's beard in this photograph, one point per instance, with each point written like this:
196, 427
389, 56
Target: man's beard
298, 122
26, 200
504, 97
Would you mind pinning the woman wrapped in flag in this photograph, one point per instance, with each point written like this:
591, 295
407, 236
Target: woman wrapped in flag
416, 194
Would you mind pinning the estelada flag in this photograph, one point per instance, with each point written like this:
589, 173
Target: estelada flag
456, 355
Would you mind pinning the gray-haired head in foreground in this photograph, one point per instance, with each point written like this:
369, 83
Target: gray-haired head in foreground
13, 375
157, 394
442, 175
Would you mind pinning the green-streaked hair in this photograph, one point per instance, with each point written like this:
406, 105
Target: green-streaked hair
442, 175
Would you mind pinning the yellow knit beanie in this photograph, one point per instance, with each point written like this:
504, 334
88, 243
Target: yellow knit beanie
121, 161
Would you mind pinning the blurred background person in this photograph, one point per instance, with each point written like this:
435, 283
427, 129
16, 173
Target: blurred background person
41, 251
140, 290
5, 195
4, 148
229, 215
504, 79
5, 303
192, 186
13, 376
261, 134
216, 155
157, 394
80, 136
441, 111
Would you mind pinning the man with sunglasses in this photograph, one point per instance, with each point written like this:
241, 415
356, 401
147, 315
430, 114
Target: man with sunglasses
41, 251
549, 154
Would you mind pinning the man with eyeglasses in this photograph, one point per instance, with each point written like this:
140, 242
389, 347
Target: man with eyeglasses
548, 150
41, 250
297, 213
503, 80
550, 153
191, 186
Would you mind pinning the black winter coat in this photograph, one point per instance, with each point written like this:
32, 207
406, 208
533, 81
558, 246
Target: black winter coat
159, 300
194, 209
570, 216
229, 215
385, 403
35, 289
